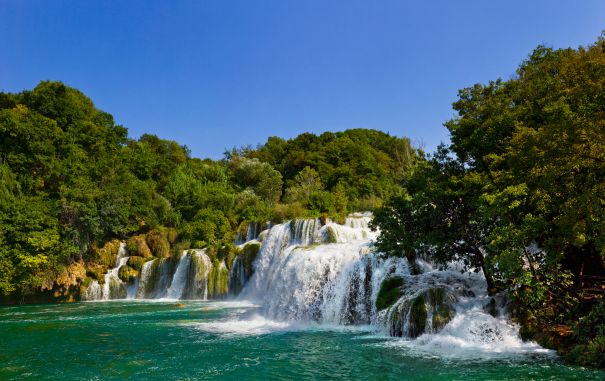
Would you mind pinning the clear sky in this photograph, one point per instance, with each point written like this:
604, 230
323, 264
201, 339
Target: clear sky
224, 73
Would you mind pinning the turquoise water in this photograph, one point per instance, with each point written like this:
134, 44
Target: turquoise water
229, 341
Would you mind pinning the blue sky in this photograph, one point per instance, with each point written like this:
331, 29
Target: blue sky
224, 73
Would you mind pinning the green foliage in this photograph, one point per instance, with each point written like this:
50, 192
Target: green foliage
418, 316
589, 335
260, 177
106, 256
519, 193
337, 172
437, 216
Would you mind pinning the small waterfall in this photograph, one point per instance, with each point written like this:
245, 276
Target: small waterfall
146, 280
160, 278
179, 280
269, 258
197, 278
358, 220
305, 230
237, 276
114, 287
132, 289
253, 230
93, 291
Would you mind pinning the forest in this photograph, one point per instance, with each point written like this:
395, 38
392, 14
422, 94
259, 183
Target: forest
519, 193
72, 181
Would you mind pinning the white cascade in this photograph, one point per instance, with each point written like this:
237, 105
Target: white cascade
197, 277
297, 279
145, 279
179, 280
237, 276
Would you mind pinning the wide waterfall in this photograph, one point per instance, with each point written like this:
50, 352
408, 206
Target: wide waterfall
307, 271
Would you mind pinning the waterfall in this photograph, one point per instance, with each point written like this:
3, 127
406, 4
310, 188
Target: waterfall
179, 280
253, 230
237, 276
327, 283
146, 280
93, 291
305, 272
305, 230
197, 278
330, 274
160, 278
113, 287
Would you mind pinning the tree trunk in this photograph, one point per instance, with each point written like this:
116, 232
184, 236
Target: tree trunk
491, 285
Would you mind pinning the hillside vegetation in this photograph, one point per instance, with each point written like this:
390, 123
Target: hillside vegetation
72, 183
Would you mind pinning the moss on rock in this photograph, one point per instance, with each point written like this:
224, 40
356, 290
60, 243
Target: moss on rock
136, 262
442, 315
218, 280
137, 245
418, 316
158, 242
263, 235
330, 235
440, 301
127, 274
96, 272
106, 256
248, 255
390, 291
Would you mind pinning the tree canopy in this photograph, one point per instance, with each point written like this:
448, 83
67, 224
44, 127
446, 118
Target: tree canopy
72, 180
519, 192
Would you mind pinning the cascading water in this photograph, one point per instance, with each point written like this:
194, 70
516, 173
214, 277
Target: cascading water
329, 274
330, 283
113, 286
179, 280
146, 280
158, 278
197, 278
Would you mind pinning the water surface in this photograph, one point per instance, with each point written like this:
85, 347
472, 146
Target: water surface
175, 340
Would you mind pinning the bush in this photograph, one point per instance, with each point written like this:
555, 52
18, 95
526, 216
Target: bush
106, 256
157, 240
589, 333
284, 212
137, 245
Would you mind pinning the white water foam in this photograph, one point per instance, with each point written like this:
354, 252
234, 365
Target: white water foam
252, 326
